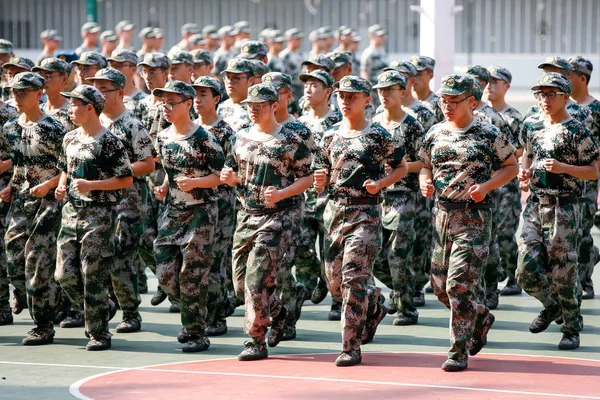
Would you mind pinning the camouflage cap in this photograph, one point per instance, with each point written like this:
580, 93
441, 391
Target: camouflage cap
178, 87
323, 32
91, 58
124, 55
147, 33
581, 65
340, 58
226, 30
422, 62
355, 37
124, 26
159, 33
557, 62
189, 28
264, 34
202, 56
67, 55
477, 71
197, 39
276, 36
261, 92
553, 79
89, 95
320, 75
354, 84
377, 30
50, 34
90, 27
456, 84
404, 67
253, 48
500, 73
54, 65
259, 68
241, 26
210, 31
477, 91
20, 62
390, 78
6, 46
320, 60
109, 74
343, 31
108, 36
277, 79
156, 60
239, 66
294, 33
210, 82
181, 57
26, 80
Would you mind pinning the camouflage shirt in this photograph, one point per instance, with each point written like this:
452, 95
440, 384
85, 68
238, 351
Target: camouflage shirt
220, 60
418, 111
408, 135
132, 103
464, 157
292, 63
301, 130
235, 115
594, 107
432, 102
373, 61
352, 159
61, 115
487, 114
132, 134
569, 142
194, 155
93, 158
152, 118
514, 120
7, 112
34, 150
261, 160
319, 126
275, 64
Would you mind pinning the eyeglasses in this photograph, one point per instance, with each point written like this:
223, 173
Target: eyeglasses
86, 68
169, 106
546, 95
20, 93
256, 106
444, 103
387, 89
151, 72
117, 65
236, 79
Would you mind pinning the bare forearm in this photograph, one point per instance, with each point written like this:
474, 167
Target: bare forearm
209, 181
113, 183
415, 166
583, 172
299, 186
143, 167
53, 183
394, 176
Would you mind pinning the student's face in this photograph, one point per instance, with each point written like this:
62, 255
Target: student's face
353, 104
55, 81
496, 89
315, 92
154, 77
205, 101
180, 72
391, 96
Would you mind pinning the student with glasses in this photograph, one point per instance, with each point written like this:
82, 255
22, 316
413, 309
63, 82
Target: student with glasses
183, 249
270, 167
559, 155
56, 75
459, 157
88, 64
237, 78
125, 61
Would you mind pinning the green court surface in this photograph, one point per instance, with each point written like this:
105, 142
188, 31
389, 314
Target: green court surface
48, 372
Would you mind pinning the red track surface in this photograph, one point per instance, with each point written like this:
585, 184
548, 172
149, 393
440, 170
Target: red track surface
380, 376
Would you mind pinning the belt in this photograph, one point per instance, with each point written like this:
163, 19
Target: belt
357, 201
555, 200
463, 205
85, 204
266, 211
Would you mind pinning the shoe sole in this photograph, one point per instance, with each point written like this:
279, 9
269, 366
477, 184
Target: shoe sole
567, 347
128, 330
253, 358
404, 322
72, 325
216, 333
97, 348
194, 350
454, 369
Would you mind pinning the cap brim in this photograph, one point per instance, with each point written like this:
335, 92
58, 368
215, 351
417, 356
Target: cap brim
387, 84
147, 64
100, 78
500, 77
305, 77
452, 92
158, 92
79, 62
129, 27
70, 95
19, 87
547, 64
93, 30
543, 85
336, 88
15, 65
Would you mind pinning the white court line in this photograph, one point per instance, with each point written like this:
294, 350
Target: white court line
64, 365
74, 388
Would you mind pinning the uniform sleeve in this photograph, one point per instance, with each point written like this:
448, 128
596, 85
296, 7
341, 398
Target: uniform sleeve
62, 154
502, 149
394, 152
142, 144
231, 159
321, 156
425, 151
5, 148
303, 158
366, 61
115, 158
587, 148
416, 138
214, 154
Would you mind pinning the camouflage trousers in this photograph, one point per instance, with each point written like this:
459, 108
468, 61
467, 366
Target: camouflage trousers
421, 252
309, 267
218, 302
183, 250
493, 273
4, 281
547, 268
259, 245
393, 267
461, 240
587, 251
85, 257
128, 231
30, 243
286, 282
509, 212
351, 246
152, 209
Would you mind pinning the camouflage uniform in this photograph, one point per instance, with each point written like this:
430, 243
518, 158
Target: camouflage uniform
220, 60
353, 231
87, 28
394, 267
7, 113
292, 64
183, 248
263, 232
549, 241
86, 246
61, 115
235, 115
460, 159
373, 61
